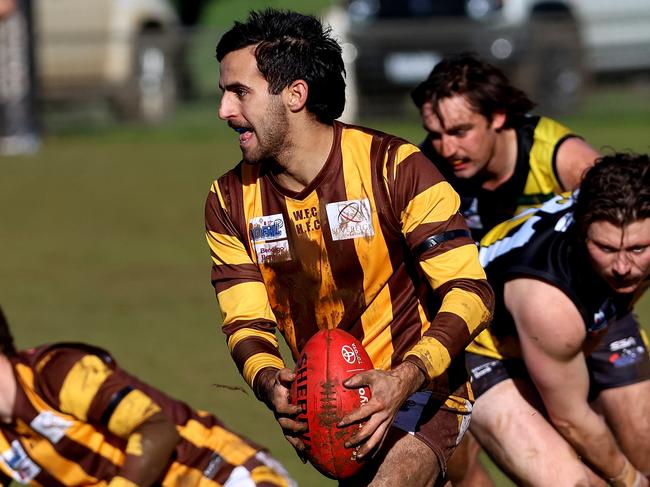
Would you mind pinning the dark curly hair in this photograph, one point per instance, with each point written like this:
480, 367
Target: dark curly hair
616, 190
486, 88
7, 346
292, 46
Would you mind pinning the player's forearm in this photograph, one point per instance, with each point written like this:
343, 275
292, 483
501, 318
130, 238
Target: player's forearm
149, 449
465, 311
592, 439
254, 349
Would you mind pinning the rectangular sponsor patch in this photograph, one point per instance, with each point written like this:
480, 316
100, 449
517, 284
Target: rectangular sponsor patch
271, 252
22, 467
350, 219
51, 426
268, 234
267, 227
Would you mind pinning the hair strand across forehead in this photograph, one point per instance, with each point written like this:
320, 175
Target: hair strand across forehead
616, 190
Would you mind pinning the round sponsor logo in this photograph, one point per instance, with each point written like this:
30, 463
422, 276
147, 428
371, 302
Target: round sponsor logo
348, 354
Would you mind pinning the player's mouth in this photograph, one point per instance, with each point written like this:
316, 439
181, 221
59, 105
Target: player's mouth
245, 134
459, 164
624, 285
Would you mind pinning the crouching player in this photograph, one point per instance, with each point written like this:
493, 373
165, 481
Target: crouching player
69, 415
561, 384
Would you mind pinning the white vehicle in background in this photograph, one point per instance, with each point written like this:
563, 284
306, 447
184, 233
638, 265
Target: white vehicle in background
548, 47
124, 51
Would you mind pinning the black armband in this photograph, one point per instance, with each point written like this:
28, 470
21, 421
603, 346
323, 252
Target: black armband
440, 238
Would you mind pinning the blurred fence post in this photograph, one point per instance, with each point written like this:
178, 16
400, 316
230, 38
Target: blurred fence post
19, 132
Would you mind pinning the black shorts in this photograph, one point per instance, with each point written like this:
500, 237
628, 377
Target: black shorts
621, 358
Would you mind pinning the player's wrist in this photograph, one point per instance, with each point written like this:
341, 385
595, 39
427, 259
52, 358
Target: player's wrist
264, 384
628, 477
411, 376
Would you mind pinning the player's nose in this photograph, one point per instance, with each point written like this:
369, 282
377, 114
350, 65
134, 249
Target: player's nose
622, 264
447, 146
227, 107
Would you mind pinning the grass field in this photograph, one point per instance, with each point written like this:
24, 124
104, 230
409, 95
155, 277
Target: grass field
102, 241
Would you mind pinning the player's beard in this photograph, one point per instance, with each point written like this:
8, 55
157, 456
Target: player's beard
272, 134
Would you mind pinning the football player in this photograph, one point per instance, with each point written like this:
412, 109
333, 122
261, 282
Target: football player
561, 382
326, 225
69, 415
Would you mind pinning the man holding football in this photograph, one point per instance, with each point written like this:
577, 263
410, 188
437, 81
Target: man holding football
561, 381
327, 225
70, 416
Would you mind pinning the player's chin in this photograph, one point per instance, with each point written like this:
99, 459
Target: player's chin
251, 159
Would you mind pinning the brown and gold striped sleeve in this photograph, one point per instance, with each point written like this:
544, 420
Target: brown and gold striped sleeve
436, 233
248, 321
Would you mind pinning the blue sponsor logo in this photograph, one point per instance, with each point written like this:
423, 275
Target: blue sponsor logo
267, 230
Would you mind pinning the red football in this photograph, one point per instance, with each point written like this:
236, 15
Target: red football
327, 360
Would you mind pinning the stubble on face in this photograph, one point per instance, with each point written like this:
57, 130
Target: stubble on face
621, 255
272, 133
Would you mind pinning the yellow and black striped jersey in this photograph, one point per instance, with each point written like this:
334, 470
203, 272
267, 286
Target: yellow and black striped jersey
534, 181
73, 414
540, 244
375, 245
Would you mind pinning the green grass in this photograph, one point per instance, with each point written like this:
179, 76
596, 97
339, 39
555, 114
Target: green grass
102, 241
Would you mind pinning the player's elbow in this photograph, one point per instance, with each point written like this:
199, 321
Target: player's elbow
565, 425
159, 435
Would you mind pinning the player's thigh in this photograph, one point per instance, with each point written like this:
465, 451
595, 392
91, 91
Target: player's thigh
509, 422
402, 460
464, 468
627, 412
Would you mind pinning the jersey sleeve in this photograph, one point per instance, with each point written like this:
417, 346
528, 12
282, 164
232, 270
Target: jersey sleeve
436, 234
248, 321
87, 384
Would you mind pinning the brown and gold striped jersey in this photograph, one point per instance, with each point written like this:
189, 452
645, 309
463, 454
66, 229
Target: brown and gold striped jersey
374, 245
75, 409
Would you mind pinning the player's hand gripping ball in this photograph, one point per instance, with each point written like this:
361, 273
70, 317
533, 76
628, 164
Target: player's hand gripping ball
327, 360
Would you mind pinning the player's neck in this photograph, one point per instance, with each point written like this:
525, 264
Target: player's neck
7, 390
307, 152
503, 162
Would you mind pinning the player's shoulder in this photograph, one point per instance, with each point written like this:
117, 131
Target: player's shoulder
58, 358
52, 364
238, 174
552, 130
351, 133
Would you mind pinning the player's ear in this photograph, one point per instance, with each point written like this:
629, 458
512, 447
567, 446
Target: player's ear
498, 120
296, 95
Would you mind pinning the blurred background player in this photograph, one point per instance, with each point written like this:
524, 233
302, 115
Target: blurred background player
558, 375
19, 133
69, 415
500, 158
326, 225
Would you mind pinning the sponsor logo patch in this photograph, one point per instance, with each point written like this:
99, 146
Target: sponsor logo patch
350, 219
625, 352
23, 468
50, 425
483, 369
268, 253
213, 466
267, 227
269, 236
